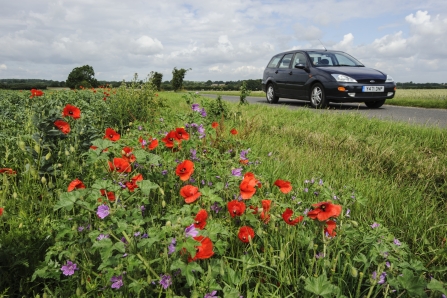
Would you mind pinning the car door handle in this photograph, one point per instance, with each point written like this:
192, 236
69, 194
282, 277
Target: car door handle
290, 73
276, 71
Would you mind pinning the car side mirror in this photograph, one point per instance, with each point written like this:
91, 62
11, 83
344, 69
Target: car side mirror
300, 66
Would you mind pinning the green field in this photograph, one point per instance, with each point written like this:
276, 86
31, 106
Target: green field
130, 233
424, 98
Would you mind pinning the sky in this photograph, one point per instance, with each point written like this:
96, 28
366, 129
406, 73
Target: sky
224, 40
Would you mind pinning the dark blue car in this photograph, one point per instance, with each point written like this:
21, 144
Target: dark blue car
323, 76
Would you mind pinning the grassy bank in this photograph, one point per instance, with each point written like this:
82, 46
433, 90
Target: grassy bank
89, 227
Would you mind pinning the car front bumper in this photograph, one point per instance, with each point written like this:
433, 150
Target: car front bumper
353, 92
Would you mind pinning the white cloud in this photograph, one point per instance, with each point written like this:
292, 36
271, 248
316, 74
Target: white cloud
3, 67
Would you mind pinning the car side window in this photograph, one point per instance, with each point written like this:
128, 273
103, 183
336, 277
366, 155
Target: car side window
285, 62
300, 58
274, 62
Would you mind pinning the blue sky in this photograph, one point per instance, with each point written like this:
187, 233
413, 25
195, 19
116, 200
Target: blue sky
219, 40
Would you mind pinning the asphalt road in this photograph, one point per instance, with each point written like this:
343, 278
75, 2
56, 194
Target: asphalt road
417, 116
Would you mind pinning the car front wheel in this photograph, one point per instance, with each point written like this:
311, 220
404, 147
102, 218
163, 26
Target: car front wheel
375, 104
318, 97
270, 94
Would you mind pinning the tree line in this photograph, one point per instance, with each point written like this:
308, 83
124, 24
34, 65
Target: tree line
84, 77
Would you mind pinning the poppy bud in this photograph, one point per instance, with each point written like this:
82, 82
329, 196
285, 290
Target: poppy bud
65, 176
22, 145
47, 157
72, 149
354, 223
282, 255
149, 279
78, 292
354, 272
168, 223
222, 270
43, 180
50, 184
67, 153
20, 225
59, 165
37, 148
37, 296
14, 195
130, 123
44, 295
163, 204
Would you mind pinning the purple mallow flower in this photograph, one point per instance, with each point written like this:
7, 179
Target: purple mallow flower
191, 231
69, 268
101, 237
211, 295
165, 281
319, 255
195, 107
244, 153
203, 113
236, 172
375, 225
117, 282
164, 172
215, 207
382, 278
348, 212
397, 242
103, 211
171, 247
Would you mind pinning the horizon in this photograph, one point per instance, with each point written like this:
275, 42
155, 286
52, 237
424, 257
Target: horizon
219, 41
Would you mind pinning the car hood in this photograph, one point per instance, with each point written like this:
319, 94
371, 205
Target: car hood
357, 73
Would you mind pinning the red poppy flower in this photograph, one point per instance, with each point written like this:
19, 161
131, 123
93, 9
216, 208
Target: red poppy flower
120, 165
181, 134
284, 186
170, 138
153, 144
323, 211
35, 92
112, 135
190, 193
93, 147
185, 169
265, 209
200, 219
214, 125
62, 126
7, 171
236, 208
71, 111
109, 194
330, 227
247, 186
1, 211
132, 184
243, 161
75, 184
233, 131
127, 154
245, 234
204, 251
287, 216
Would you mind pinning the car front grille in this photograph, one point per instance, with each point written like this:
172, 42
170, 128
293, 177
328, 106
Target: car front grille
368, 81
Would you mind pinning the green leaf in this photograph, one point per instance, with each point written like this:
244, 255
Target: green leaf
413, 284
66, 201
436, 285
320, 286
146, 186
102, 144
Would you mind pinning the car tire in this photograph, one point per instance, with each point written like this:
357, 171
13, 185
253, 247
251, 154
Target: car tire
318, 97
271, 95
375, 104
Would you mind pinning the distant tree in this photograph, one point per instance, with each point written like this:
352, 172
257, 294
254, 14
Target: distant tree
177, 78
156, 78
209, 83
81, 76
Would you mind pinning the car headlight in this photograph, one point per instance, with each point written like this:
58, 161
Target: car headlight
343, 78
389, 79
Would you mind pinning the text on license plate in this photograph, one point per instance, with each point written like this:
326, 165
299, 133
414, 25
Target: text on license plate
373, 88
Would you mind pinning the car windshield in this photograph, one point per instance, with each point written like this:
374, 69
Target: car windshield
325, 58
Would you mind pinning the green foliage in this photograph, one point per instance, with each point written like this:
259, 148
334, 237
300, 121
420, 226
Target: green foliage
177, 78
81, 76
244, 93
156, 79
217, 108
44, 226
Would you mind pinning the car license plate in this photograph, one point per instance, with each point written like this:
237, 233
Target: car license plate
373, 88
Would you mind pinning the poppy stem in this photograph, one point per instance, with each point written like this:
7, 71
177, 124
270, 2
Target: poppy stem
146, 263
